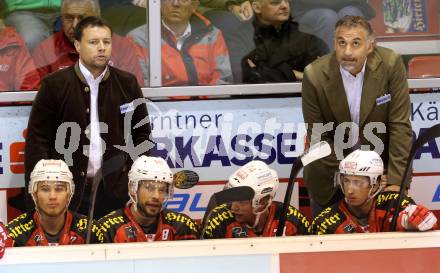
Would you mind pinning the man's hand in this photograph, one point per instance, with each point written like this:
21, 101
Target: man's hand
251, 63
298, 75
140, 3
246, 10
243, 11
417, 217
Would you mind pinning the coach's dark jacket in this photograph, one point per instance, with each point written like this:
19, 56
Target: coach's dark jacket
64, 96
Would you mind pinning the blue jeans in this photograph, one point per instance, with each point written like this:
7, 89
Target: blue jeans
321, 22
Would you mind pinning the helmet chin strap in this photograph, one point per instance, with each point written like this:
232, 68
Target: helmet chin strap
258, 214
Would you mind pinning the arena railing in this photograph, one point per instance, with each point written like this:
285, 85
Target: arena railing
361, 253
218, 91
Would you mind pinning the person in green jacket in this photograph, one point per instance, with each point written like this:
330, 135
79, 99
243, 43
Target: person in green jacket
33, 19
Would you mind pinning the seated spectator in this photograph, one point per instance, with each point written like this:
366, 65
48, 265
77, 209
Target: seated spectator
365, 208
33, 19
51, 186
145, 218
17, 69
193, 50
124, 15
58, 51
239, 38
258, 217
282, 51
319, 17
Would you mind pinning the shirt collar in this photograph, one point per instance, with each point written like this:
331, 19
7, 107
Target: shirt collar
88, 75
185, 34
347, 73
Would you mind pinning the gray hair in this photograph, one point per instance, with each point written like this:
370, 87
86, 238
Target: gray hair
350, 21
93, 3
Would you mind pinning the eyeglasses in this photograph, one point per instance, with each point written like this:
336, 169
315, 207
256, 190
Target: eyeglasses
152, 186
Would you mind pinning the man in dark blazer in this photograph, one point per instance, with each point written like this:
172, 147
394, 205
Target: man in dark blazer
92, 100
359, 85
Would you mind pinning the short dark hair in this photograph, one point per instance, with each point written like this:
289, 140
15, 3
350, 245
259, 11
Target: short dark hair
90, 21
350, 21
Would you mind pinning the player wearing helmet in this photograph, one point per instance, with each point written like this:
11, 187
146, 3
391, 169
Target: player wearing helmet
256, 217
145, 218
365, 208
51, 187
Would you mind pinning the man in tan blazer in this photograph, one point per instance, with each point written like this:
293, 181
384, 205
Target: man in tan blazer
359, 86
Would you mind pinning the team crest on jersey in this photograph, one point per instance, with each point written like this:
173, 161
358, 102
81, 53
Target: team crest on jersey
37, 239
349, 229
129, 232
238, 232
165, 234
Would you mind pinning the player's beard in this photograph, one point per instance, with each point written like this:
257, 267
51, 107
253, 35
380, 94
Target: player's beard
143, 212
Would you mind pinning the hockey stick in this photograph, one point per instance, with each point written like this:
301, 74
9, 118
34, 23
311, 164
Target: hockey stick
111, 165
430, 134
317, 151
240, 193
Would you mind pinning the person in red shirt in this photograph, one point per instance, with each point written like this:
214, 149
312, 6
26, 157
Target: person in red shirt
145, 218
17, 69
51, 186
58, 51
365, 208
257, 217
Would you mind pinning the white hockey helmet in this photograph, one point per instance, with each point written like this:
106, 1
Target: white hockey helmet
53, 171
257, 175
362, 163
151, 169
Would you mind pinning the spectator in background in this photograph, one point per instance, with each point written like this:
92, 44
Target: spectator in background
282, 51
233, 18
193, 50
58, 52
124, 15
319, 17
33, 19
17, 69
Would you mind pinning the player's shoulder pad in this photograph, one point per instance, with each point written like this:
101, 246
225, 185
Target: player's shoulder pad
112, 220
292, 215
220, 217
388, 199
23, 224
179, 220
80, 222
328, 220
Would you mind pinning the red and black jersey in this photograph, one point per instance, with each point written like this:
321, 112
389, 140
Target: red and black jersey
25, 230
120, 226
222, 224
338, 219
